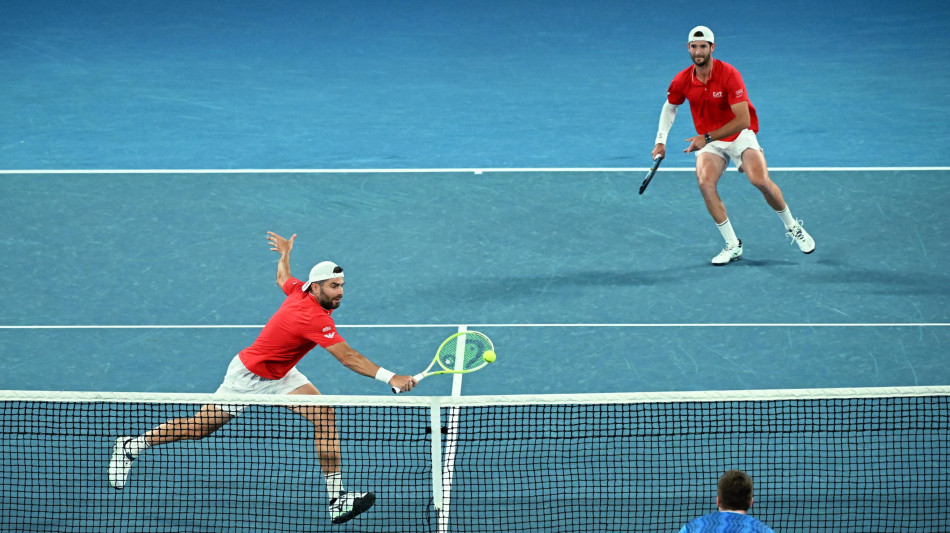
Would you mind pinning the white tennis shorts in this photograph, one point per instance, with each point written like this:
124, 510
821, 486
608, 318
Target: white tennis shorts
240, 380
733, 149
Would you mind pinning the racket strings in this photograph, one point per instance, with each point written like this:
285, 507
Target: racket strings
472, 354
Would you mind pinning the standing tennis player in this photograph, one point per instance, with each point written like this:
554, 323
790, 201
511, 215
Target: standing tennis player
733, 498
268, 366
726, 123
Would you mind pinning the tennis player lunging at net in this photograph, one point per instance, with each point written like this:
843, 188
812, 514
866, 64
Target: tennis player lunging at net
727, 125
268, 366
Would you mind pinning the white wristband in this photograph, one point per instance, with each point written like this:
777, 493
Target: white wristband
660, 138
384, 375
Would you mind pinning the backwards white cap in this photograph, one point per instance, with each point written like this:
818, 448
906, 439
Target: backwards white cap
701, 33
322, 272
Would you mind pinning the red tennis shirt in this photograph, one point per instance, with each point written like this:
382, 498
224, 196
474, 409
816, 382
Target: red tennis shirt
711, 104
297, 327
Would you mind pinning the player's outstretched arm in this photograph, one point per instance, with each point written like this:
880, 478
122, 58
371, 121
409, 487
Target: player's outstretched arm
282, 246
358, 363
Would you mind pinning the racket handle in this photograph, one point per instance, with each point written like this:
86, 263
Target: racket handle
418, 377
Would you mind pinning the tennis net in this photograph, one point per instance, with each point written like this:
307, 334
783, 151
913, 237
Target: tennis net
861, 460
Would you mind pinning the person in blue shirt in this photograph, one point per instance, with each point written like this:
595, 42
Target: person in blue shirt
734, 498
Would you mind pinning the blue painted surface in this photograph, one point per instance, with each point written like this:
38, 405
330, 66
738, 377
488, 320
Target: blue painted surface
419, 84
457, 249
426, 84
336, 84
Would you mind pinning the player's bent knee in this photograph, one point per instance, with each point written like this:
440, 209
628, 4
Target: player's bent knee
707, 184
761, 182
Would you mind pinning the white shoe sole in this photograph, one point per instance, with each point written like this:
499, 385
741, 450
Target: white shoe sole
119, 465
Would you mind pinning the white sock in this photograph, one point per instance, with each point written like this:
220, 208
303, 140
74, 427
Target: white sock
334, 484
787, 218
727, 233
136, 446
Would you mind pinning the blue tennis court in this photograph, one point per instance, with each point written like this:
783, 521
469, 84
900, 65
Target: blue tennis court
610, 292
468, 165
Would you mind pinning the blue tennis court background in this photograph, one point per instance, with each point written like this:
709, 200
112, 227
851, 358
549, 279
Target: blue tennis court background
425, 84
377, 85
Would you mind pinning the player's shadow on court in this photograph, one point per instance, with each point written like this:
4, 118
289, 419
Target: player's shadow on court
603, 278
686, 274
757, 263
881, 281
678, 275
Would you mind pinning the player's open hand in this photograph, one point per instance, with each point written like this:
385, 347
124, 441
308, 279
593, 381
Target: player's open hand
280, 244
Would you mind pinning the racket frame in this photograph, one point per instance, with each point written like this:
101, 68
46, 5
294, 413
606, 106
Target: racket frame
651, 173
459, 356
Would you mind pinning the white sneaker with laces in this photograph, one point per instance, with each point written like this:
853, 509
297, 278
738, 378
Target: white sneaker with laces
120, 464
348, 505
732, 252
801, 237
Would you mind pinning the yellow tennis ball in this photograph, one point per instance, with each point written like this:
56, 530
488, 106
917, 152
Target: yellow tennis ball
489, 356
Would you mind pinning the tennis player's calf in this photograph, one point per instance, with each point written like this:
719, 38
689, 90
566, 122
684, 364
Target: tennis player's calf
208, 420
325, 435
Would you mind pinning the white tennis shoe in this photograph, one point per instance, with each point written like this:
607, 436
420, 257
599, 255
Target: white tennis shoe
732, 252
348, 505
120, 464
801, 237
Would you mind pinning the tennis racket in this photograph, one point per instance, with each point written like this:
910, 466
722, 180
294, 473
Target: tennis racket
461, 353
646, 181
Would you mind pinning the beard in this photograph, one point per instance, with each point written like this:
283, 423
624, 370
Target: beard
326, 302
700, 61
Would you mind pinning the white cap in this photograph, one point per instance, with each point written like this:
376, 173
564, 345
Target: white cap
322, 272
701, 33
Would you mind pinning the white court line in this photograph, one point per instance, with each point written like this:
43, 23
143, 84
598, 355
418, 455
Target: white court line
451, 444
384, 326
473, 170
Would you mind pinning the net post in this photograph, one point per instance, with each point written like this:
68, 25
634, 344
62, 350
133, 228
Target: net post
435, 421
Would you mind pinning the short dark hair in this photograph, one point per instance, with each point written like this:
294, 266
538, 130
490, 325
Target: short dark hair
735, 491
